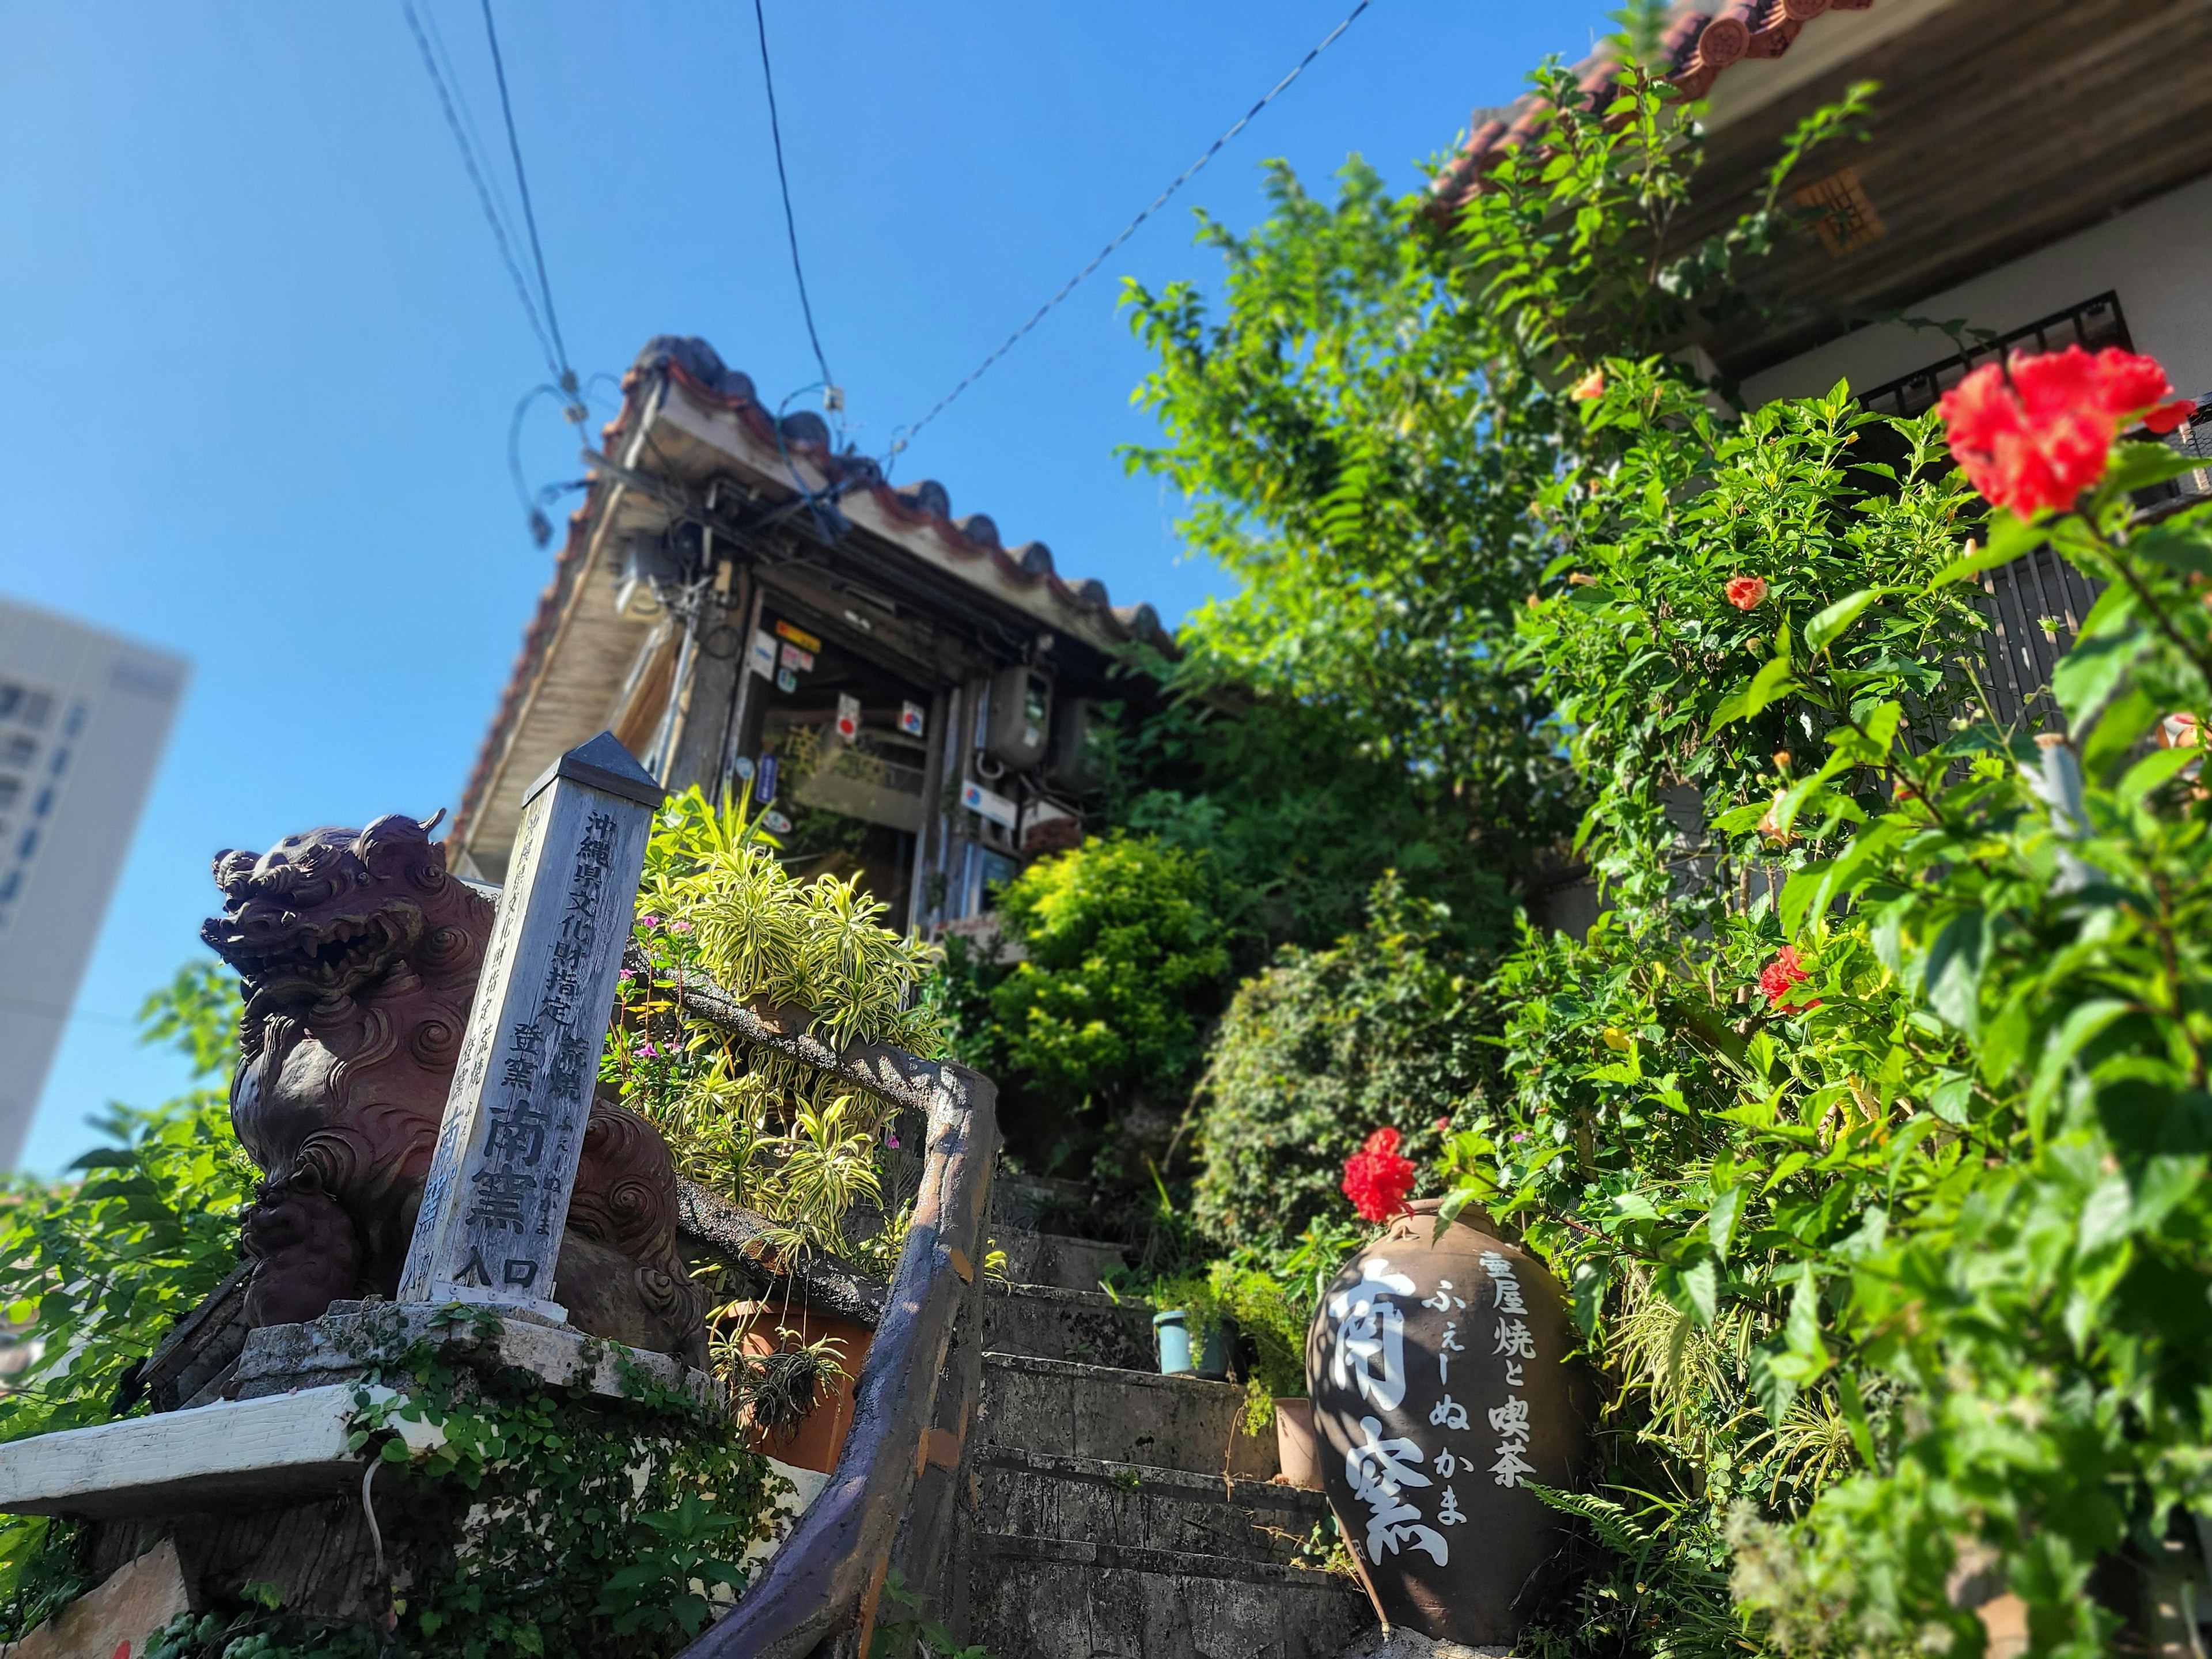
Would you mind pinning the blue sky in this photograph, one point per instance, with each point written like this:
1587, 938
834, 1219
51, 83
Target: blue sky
265, 356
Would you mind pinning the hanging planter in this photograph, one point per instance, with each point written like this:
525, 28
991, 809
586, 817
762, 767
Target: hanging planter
1440, 1391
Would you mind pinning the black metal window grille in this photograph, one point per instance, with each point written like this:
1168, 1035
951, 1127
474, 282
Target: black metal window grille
2093, 325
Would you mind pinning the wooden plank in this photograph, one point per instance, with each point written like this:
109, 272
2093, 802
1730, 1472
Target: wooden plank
1999, 129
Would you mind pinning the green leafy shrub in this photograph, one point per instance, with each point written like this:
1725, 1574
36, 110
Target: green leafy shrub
1384, 1028
1897, 1247
549, 1521
1123, 965
94, 1270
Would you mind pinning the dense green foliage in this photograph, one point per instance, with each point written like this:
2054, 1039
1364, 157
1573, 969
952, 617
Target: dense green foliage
549, 1521
95, 1269
1384, 1027
1356, 453
1097, 1026
1901, 1276
1298, 817
792, 1144
1902, 1271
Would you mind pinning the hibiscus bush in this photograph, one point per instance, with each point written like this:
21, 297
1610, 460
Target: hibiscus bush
1869, 1125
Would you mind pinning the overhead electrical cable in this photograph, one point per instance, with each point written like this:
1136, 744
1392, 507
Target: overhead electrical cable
905, 435
568, 382
831, 396
446, 102
475, 139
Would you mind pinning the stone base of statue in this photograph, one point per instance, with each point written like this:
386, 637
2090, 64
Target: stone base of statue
266, 1482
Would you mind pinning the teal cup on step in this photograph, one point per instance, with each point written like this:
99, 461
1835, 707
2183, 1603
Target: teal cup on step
1174, 1342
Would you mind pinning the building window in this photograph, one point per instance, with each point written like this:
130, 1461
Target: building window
2093, 325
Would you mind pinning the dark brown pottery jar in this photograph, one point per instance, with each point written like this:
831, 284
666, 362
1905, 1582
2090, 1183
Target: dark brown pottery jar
1440, 1390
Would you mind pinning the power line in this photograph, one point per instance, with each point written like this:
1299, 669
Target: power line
830, 394
469, 120
905, 435
529, 216
445, 97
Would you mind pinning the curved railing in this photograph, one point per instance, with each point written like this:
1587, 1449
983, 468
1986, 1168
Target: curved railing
913, 1410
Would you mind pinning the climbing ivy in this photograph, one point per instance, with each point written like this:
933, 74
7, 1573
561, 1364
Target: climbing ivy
549, 1521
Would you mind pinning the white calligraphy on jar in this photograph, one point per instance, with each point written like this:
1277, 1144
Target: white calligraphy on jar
1517, 1344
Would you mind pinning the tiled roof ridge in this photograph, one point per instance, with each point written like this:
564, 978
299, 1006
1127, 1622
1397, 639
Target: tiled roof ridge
925, 504
696, 365
1699, 45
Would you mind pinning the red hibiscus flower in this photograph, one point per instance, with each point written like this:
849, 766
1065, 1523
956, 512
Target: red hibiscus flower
1745, 593
1375, 1179
2036, 432
1780, 977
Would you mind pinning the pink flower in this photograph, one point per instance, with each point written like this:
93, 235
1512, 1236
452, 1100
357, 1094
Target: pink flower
1591, 384
679, 927
648, 920
1745, 593
1375, 1179
1442, 1125
1779, 976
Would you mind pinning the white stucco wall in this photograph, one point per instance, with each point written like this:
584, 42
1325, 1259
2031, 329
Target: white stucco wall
2157, 257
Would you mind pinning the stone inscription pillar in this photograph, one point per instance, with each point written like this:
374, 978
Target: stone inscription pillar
496, 1201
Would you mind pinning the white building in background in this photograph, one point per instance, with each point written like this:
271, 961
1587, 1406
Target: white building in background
83, 717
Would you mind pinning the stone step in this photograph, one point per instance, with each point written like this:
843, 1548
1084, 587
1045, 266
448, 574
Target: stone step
1023, 1203
1075, 1410
1085, 1326
1051, 1598
1073, 1264
1093, 1500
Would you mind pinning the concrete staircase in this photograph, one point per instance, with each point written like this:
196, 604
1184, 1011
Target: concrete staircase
1115, 1513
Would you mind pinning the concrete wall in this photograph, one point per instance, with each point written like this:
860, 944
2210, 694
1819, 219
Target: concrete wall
2157, 257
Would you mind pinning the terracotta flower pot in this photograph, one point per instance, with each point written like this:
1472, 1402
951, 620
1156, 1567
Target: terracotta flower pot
1296, 1453
1440, 1392
820, 1434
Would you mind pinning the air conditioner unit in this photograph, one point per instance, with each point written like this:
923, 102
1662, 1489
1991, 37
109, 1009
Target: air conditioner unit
1018, 729
1073, 764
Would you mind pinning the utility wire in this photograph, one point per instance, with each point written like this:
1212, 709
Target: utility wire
905, 435
469, 120
831, 396
446, 96
568, 376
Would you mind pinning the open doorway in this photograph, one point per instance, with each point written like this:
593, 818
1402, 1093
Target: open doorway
849, 741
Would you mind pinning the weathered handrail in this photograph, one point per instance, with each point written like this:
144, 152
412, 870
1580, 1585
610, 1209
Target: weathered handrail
746, 1242
828, 1574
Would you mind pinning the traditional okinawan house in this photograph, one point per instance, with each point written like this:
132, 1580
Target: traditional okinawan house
2036, 173
741, 603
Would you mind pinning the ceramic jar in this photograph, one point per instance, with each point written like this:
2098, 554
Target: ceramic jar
1440, 1391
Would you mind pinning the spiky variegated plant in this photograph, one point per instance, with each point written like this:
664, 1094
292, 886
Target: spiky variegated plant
796, 1145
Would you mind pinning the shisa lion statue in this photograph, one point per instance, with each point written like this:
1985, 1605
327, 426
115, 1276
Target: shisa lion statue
358, 954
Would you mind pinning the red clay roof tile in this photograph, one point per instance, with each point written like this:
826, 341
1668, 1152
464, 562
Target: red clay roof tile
1699, 45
